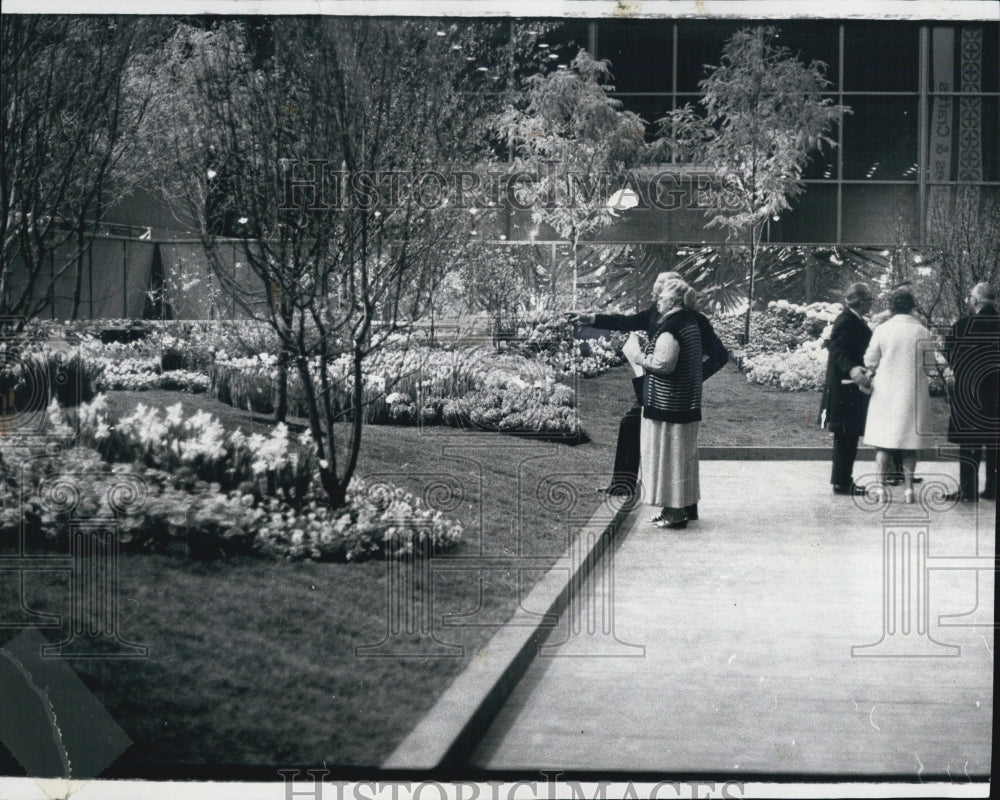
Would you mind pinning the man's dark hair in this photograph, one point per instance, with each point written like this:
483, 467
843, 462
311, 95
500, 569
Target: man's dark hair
901, 302
857, 293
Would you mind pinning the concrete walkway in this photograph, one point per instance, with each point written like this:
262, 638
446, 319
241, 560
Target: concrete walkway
738, 644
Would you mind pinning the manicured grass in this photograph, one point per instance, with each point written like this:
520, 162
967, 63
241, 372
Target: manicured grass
737, 413
252, 662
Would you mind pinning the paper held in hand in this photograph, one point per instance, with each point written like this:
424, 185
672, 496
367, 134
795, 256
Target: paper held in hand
632, 350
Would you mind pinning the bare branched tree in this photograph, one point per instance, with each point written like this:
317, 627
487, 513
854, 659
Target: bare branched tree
333, 151
963, 235
69, 115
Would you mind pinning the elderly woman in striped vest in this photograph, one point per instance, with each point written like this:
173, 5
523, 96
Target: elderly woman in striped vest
672, 363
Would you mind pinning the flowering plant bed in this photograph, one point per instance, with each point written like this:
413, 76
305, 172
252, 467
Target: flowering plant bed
182, 485
422, 385
798, 370
511, 389
551, 339
135, 374
786, 348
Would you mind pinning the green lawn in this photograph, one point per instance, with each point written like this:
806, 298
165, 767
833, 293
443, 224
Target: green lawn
252, 662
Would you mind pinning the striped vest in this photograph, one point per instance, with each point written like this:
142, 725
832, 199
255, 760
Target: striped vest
676, 397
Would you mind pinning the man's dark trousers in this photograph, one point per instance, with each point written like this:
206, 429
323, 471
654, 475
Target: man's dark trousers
626, 473
627, 452
845, 451
971, 455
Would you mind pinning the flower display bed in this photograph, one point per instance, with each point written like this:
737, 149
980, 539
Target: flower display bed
201, 490
513, 388
464, 387
252, 660
787, 346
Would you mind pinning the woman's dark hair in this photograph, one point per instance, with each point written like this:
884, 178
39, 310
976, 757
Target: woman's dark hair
902, 302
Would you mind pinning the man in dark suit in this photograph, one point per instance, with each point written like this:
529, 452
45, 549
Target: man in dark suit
844, 406
714, 357
973, 351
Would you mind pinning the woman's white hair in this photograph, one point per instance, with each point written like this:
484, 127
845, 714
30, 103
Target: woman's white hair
676, 289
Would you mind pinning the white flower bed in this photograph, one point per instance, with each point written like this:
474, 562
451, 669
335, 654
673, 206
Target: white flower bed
799, 370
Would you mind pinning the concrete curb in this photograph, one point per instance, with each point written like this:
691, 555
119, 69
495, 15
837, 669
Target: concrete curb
449, 733
720, 453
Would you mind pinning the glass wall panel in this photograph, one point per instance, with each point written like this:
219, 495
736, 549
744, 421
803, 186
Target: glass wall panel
880, 214
964, 138
700, 43
964, 58
976, 139
881, 56
640, 52
822, 164
812, 218
813, 41
880, 138
990, 56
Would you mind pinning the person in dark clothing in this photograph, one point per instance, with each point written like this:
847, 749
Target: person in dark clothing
714, 357
844, 406
972, 347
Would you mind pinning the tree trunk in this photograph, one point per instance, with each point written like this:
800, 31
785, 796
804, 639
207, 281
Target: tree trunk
575, 240
752, 286
335, 490
281, 388
284, 357
78, 287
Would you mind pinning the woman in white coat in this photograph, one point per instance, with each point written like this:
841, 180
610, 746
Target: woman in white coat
900, 354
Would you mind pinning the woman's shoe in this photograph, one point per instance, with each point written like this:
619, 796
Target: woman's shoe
877, 493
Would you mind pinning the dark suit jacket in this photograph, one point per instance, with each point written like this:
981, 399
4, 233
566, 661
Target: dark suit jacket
973, 350
843, 407
640, 321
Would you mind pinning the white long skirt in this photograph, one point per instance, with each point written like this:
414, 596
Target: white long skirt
668, 463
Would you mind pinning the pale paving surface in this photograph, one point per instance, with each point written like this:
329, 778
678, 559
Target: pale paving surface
747, 618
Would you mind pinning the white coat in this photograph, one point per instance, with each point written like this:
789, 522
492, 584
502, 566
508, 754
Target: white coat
901, 353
